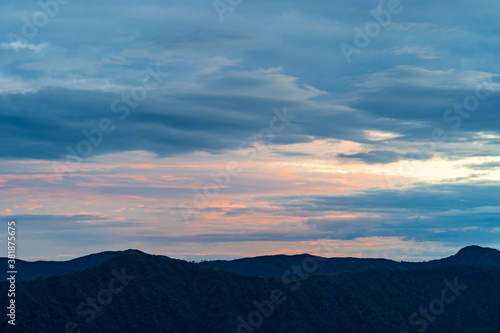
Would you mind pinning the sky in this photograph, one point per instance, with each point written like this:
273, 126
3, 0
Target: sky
230, 128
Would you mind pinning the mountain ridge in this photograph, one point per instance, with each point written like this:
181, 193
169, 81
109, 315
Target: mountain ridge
30, 270
273, 266
161, 294
267, 265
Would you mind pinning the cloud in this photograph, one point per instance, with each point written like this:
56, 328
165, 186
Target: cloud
484, 166
223, 77
425, 199
444, 212
422, 52
381, 156
411, 25
19, 45
224, 81
65, 223
418, 77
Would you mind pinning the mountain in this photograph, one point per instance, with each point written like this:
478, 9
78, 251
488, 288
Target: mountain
28, 270
471, 255
265, 266
276, 265
136, 292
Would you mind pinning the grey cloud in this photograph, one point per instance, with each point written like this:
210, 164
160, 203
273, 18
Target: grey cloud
215, 109
423, 199
442, 212
382, 156
484, 166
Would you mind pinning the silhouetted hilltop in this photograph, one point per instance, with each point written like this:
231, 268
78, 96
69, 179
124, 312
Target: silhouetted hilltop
274, 266
471, 255
136, 292
30, 270
265, 266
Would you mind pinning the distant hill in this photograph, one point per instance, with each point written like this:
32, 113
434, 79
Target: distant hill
30, 270
276, 265
265, 266
471, 255
136, 292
